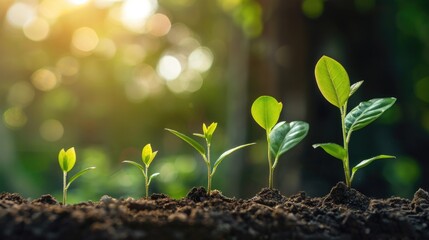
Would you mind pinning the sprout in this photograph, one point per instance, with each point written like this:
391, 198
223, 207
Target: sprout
147, 157
281, 136
67, 159
207, 135
334, 84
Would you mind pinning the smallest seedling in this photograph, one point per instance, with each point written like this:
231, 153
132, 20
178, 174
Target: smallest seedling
67, 159
147, 157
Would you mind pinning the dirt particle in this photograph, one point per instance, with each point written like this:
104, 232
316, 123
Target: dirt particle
46, 199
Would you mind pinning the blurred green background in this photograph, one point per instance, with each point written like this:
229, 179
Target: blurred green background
107, 76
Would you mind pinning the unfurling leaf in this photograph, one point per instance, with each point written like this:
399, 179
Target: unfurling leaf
333, 81
148, 155
266, 112
355, 87
67, 159
285, 136
332, 149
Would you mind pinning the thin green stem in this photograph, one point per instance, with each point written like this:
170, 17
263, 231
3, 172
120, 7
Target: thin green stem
64, 187
270, 163
345, 145
146, 181
209, 177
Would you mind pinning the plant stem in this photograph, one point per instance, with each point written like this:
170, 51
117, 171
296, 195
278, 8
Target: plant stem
209, 178
146, 181
345, 145
270, 164
64, 187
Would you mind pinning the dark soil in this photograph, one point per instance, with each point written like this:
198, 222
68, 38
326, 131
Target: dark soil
342, 214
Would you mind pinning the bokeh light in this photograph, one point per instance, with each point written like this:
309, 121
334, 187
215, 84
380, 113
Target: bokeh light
36, 29
44, 79
169, 67
21, 94
51, 130
158, 25
134, 13
85, 39
20, 13
201, 59
14, 117
68, 66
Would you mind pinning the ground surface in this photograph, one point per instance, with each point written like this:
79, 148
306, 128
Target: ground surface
342, 214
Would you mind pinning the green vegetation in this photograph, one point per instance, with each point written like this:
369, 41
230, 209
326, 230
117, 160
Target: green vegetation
333, 82
281, 136
207, 135
147, 157
67, 159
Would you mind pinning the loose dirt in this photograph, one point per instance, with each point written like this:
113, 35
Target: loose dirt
342, 214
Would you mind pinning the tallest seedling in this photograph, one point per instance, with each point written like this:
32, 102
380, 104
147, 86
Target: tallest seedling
334, 84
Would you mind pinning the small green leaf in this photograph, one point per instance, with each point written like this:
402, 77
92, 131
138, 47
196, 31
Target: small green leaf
367, 112
199, 135
266, 112
208, 131
355, 87
332, 149
333, 81
137, 165
67, 159
152, 176
148, 155
78, 175
226, 153
285, 136
189, 140
366, 162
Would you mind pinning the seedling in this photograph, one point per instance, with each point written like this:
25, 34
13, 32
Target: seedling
147, 157
67, 159
207, 135
281, 136
334, 84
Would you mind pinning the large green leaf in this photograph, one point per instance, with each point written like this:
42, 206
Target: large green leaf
189, 140
332, 149
285, 136
78, 175
366, 162
266, 111
367, 112
227, 153
333, 81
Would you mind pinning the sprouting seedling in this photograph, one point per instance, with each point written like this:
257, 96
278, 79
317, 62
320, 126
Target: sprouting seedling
147, 157
67, 159
334, 84
281, 136
207, 135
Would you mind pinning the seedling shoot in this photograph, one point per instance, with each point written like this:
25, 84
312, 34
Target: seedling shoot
67, 159
334, 84
281, 136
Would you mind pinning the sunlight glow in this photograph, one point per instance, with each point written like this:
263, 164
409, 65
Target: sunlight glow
78, 2
51, 130
14, 117
134, 13
200, 59
169, 67
158, 25
36, 29
19, 14
44, 79
51, 9
85, 39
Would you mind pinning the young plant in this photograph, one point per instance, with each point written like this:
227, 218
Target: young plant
334, 84
147, 157
281, 136
207, 135
67, 159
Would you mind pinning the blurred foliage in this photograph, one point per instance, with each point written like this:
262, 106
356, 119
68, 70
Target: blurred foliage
107, 76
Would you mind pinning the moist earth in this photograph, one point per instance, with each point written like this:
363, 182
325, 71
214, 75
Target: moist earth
344, 213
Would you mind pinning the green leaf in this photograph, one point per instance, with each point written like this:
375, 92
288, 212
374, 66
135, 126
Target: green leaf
208, 131
366, 162
137, 165
152, 176
199, 135
148, 155
332, 149
355, 87
333, 81
367, 112
285, 136
189, 140
266, 111
67, 159
226, 153
78, 175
